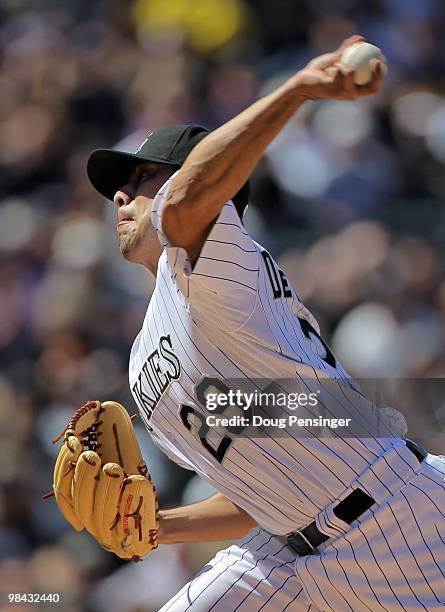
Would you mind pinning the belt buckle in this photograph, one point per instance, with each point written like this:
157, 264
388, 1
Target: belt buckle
300, 543
301, 534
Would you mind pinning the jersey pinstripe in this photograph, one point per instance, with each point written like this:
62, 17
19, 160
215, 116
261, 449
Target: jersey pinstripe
392, 559
234, 315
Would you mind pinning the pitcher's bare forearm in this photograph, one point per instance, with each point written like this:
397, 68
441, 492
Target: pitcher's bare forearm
213, 519
221, 163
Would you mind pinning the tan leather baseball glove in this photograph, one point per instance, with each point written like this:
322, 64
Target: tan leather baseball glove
101, 482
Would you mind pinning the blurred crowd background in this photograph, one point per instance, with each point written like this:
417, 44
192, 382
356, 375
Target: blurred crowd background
349, 197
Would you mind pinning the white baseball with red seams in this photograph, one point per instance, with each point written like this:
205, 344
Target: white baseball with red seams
359, 56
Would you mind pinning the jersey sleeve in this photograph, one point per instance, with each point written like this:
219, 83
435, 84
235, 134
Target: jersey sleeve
222, 285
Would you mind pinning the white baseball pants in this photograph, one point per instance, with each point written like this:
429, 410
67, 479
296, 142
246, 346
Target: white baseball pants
390, 559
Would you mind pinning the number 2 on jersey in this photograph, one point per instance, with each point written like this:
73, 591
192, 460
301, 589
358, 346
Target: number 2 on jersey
196, 424
280, 288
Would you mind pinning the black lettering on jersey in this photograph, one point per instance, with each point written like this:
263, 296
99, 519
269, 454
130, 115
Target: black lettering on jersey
152, 378
144, 401
272, 274
206, 385
169, 356
314, 337
196, 424
284, 284
277, 278
162, 379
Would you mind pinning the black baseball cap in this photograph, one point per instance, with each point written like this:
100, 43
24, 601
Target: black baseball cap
108, 170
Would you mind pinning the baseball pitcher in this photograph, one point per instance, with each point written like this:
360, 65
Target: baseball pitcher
322, 522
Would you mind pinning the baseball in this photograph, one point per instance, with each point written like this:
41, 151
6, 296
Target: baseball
359, 56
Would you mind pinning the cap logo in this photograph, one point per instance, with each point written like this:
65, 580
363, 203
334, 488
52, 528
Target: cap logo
142, 144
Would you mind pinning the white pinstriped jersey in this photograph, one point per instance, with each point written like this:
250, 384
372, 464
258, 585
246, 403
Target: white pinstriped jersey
234, 315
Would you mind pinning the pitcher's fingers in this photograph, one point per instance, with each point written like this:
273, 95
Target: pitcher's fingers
324, 61
377, 75
343, 86
84, 487
351, 40
375, 84
338, 67
348, 84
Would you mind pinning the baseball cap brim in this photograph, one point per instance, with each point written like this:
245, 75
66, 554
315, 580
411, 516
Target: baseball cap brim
109, 170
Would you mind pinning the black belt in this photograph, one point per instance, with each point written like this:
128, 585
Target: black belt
305, 541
